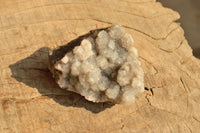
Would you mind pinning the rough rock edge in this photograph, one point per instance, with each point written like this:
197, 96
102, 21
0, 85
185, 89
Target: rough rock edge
126, 97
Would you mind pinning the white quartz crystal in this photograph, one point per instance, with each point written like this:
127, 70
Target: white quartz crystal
103, 68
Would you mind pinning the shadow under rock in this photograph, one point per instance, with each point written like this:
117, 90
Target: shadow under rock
33, 71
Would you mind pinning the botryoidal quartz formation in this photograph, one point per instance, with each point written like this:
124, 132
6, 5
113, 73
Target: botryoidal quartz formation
102, 66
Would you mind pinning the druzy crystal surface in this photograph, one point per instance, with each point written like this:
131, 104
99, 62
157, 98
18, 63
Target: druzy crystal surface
102, 66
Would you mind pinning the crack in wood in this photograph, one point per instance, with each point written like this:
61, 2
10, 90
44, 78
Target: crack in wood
150, 64
184, 86
148, 99
149, 89
162, 38
47, 5
188, 127
43, 96
196, 119
172, 50
153, 17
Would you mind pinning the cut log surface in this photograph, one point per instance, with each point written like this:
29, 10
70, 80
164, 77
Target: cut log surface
31, 102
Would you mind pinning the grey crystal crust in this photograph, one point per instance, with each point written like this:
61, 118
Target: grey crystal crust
102, 66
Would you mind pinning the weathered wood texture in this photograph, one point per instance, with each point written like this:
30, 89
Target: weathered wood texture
30, 102
189, 11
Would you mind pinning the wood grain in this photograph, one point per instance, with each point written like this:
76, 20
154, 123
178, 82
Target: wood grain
31, 102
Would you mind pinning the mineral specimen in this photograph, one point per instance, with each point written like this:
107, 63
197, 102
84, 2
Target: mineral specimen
102, 66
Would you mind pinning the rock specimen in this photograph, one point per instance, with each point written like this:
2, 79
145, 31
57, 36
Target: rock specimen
101, 66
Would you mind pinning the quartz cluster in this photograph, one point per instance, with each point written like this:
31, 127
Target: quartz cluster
102, 66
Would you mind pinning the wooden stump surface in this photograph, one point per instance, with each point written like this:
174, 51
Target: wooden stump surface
31, 102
